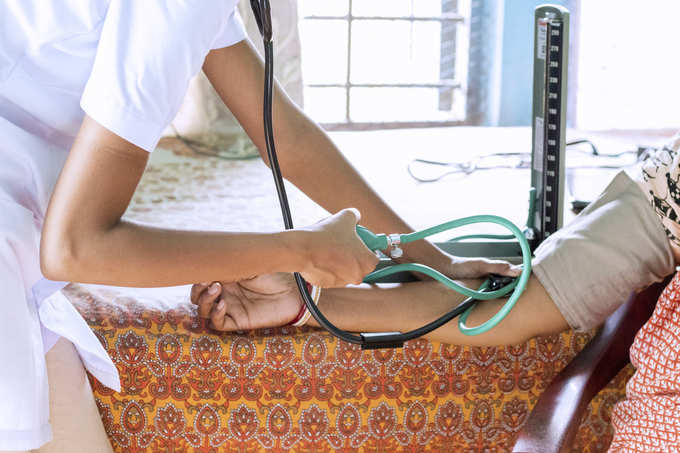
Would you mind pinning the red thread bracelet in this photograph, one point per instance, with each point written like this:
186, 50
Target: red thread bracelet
303, 308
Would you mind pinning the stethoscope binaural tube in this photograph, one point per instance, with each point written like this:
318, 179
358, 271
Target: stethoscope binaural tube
262, 12
376, 340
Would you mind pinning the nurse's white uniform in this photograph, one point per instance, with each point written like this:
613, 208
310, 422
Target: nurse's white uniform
127, 64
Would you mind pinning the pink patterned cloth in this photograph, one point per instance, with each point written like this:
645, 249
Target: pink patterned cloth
649, 419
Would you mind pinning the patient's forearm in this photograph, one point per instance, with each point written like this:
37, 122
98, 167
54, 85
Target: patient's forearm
402, 307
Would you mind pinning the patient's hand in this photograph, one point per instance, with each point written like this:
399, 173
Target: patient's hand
264, 301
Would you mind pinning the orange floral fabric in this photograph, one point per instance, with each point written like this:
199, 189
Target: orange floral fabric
188, 389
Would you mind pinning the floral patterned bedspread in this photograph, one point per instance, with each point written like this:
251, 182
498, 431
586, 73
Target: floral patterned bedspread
188, 389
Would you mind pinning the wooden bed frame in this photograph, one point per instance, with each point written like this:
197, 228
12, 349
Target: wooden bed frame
554, 421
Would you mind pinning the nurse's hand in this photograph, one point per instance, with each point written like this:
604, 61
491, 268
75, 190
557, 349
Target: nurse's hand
268, 300
333, 254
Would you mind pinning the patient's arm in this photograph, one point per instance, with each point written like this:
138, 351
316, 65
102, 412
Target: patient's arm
272, 300
410, 305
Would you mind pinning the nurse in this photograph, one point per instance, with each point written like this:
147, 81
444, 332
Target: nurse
86, 88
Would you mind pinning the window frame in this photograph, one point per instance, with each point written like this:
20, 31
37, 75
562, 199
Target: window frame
461, 20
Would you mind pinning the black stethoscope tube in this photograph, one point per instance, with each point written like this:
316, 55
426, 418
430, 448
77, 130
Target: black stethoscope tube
366, 340
281, 191
378, 340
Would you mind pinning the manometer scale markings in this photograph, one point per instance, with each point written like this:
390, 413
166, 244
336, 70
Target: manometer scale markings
552, 121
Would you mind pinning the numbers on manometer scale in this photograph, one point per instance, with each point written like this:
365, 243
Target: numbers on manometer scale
552, 123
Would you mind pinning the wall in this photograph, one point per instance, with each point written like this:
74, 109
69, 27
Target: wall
517, 61
624, 65
629, 65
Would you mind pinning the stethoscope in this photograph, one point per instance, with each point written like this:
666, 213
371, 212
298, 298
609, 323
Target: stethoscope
492, 288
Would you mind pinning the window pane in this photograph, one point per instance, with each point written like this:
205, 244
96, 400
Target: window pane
395, 52
323, 8
324, 51
383, 8
396, 104
325, 105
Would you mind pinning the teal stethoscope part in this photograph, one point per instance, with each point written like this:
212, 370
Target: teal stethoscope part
377, 242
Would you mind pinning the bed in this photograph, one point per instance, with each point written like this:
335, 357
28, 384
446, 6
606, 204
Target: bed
187, 388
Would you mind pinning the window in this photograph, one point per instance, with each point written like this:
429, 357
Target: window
384, 63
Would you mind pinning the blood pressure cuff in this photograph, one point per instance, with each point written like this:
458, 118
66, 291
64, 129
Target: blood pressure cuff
614, 246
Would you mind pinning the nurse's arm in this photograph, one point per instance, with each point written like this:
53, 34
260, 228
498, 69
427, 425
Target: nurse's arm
86, 240
310, 160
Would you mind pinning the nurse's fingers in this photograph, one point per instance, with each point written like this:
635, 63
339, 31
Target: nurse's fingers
207, 299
